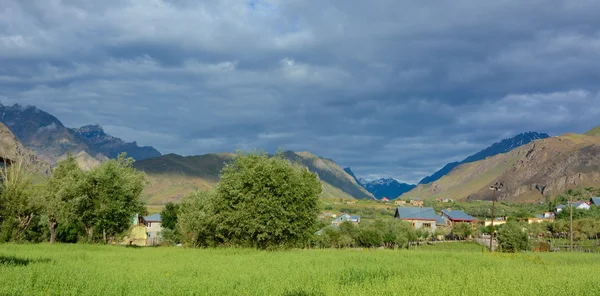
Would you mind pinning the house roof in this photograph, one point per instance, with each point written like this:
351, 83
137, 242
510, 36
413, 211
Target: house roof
561, 206
595, 201
417, 213
332, 226
153, 218
346, 217
456, 215
441, 220
579, 203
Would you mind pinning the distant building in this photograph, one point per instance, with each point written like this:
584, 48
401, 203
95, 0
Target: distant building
385, 199
595, 201
420, 218
497, 221
400, 202
153, 229
137, 233
456, 216
580, 205
346, 218
444, 199
417, 202
545, 217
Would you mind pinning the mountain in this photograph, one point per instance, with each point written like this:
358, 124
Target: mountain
51, 140
387, 187
12, 150
539, 170
351, 173
503, 146
595, 132
173, 176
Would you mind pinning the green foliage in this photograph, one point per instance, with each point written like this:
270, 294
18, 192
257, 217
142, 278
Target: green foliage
19, 200
266, 202
110, 197
462, 230
513, 238
61, 190
391, 233
196, 221
169, 215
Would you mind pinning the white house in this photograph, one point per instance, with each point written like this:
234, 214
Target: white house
153, 228
580, 205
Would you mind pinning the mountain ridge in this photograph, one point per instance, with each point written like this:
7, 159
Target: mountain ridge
51, 140
503, 146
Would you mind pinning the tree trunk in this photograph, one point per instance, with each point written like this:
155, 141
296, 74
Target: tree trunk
52, 227
104, 235
90, 233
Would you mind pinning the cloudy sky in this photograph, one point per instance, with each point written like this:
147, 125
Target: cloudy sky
391, 88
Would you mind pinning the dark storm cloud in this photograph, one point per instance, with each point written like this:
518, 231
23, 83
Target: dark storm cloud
392, 88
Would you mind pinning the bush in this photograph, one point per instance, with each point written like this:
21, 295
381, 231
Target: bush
513, 238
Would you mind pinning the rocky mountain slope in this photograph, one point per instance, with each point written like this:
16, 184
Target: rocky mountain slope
51, 140
11, 150
173, 176
595, 132
503, 146
536, 171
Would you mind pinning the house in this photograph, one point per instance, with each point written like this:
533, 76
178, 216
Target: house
456, 216
420, 218
580, 205
444, 199
417, 202
137, 233
497, 221
385, 199
546, 217
595, 201
346, 218
400, 202
153, 229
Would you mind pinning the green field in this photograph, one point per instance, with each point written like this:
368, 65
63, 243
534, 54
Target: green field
434, 270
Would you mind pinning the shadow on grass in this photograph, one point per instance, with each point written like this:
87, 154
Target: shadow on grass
15, 261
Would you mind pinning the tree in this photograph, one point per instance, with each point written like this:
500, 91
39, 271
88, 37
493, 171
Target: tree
169, 215
110, 197
19, 202
462, 230
513, 238
196, 221
266, 202
61, 189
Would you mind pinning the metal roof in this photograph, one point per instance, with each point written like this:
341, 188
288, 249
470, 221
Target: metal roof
595, 201
153, 218
416, 213
458, 215
346, 217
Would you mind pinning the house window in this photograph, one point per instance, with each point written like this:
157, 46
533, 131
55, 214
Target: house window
426, 225
149, 224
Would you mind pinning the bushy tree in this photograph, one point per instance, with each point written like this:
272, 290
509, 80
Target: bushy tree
513, 238
61, 190
462, 230
110, 197
169, 215
19, 199
266, 202
196, 219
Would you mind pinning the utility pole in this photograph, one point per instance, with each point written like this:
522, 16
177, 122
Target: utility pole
496, 187
571, 218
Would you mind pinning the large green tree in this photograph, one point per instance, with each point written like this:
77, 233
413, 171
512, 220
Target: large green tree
111, 195
263, 202
196, 219
61, 190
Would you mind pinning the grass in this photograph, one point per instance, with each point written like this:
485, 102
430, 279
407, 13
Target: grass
109, 270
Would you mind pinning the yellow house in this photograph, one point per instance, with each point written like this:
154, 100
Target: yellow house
138, 234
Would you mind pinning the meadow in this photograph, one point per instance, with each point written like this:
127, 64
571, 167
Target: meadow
451, 269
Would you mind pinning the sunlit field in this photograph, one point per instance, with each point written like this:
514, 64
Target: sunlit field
449, 269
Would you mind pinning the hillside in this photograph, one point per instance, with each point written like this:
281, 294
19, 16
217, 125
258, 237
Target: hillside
172, 176
595, 132
12, 150
44, 134
503, 146
538, 170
